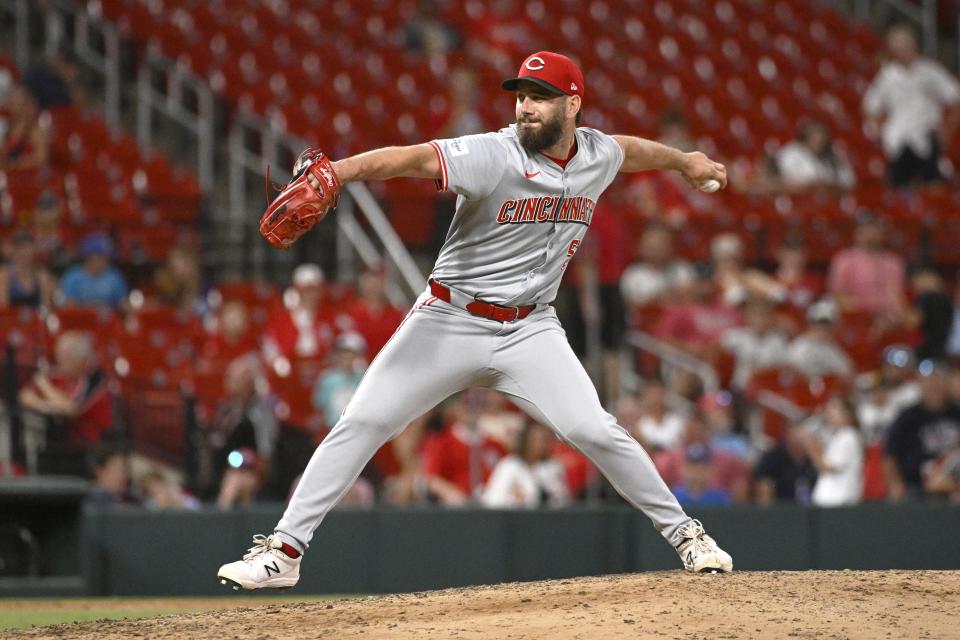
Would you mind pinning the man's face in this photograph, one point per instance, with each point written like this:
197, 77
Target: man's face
869, 235
902, 45
540, 117
656, 246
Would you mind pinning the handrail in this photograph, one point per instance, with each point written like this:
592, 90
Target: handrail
766, 399
391, 241
780, 404
177, 81
272, 145
676, 357
107, 61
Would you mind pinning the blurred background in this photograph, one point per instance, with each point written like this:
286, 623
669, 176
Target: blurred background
789, 342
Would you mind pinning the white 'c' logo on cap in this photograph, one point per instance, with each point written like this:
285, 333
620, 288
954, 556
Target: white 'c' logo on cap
531, 63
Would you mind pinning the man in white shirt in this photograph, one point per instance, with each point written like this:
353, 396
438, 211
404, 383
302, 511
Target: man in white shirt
758, 345
657, 274
906, 99
812, 163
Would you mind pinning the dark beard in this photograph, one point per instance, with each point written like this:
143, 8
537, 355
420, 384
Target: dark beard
548, 135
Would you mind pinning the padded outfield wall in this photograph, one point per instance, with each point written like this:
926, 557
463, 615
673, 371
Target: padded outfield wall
132, 552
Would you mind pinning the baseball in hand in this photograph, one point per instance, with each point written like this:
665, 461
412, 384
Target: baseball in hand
710, 186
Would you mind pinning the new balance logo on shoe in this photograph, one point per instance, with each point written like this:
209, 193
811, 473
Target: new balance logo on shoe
272, 567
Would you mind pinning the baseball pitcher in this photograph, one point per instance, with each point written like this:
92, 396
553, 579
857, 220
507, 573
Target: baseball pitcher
525, 198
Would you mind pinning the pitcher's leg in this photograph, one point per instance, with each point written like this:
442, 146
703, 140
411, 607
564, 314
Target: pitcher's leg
420, 366
549, 383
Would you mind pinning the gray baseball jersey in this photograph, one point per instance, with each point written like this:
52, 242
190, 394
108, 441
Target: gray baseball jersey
520, 217
519, 220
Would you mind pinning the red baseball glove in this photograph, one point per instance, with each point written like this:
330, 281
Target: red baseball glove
300, 206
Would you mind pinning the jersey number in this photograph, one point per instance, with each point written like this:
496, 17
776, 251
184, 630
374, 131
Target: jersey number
572, 249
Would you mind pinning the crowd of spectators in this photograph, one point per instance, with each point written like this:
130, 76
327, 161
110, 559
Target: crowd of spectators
859, 417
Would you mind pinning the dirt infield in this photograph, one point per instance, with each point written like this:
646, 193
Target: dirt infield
814, 604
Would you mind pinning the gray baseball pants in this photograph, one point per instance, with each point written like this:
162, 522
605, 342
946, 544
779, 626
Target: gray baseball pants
441, 349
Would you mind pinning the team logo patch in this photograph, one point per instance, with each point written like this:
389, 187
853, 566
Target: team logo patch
458, 147
534, 63
573, 86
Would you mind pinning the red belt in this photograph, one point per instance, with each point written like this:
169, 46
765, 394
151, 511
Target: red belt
484, 309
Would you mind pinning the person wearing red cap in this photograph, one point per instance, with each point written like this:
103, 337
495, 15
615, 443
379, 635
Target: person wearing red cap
526, 196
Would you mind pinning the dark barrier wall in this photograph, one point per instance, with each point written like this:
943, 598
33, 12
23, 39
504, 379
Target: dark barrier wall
387, 550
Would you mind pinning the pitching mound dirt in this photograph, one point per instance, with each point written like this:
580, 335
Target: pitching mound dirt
813, 604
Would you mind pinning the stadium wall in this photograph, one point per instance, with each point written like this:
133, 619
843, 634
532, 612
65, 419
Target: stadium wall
399, 550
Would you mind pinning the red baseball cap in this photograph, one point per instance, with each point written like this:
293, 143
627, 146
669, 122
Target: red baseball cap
552, 71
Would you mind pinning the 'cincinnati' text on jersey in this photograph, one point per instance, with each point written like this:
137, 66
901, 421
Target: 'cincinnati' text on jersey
576, 209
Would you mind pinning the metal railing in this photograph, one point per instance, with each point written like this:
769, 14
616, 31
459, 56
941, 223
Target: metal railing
254, 143
675, 357
95, 43
186, 99
168, 89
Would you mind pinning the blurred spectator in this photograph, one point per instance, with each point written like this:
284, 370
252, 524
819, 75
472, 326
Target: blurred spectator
757, 345
953, 342
26, 142
727, 434
815, 353
811, 163
177, 281
242, 434
231, 337
695, 489
697, 317
628, 410
664, 196
24, 282
884, 395
837, 453
799, 286
785, 472
528, 477
867, 276
111, 477
427, 32
55, 82
735, 281
95, 281
458, 460
48, 233
303, 327
944, 477
404, 484
921, 434
160, 491
340, 379
932, 313
658, 427
887, 393
906, 101
592, 285
75, 402
728, 473
657, 273
497, 419
371, 314
463, 116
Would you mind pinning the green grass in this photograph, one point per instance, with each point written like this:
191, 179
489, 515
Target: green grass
25, 613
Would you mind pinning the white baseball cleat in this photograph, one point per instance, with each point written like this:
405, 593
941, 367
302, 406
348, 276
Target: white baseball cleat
699, 552
267, 565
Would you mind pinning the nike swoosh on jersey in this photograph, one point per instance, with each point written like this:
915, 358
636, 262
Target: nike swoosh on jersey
531, 175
